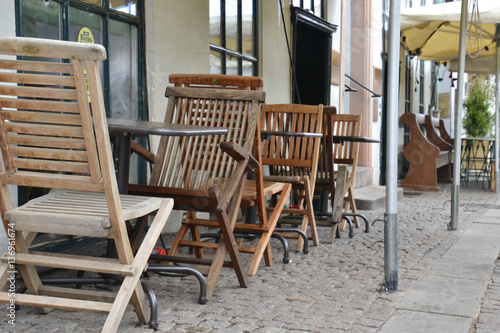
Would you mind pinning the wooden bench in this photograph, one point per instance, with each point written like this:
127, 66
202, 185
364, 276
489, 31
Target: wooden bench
429, 154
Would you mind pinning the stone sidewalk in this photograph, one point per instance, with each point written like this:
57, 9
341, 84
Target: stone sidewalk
336, 287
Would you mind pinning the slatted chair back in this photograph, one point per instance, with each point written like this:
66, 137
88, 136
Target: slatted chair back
291, 155
218, 81
198, 162
48, 137
347, 152
325, 165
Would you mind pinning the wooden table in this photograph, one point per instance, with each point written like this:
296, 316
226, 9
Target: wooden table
123, 130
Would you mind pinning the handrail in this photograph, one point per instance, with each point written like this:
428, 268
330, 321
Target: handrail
374, 94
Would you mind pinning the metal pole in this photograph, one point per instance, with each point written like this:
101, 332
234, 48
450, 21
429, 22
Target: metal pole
497, 109
455, 200
391, 217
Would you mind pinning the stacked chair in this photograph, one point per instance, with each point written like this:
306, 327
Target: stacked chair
339, 184
291, 145
54, 135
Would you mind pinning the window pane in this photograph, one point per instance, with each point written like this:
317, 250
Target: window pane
232, 66
215, 63
124, 6
93, 2
296, 3
307, 4
215, 22
40, 19
79, 19
247, 27
247, 68
317, 7
232, 25
123, 70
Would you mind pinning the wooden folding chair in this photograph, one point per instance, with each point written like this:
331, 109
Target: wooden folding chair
53, 134
255, 190
200, 177
341, 185
291, 142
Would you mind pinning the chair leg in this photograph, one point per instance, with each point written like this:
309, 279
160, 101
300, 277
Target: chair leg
30, 276
309, 191
351, 204
179, 236
263, 247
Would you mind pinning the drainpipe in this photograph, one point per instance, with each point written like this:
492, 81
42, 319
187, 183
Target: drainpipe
497, 109
455, 199
391, 216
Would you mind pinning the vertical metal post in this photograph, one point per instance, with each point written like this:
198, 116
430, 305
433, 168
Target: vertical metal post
455, 199
390, 221
497, 109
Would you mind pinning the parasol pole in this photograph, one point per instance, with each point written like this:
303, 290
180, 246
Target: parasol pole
455, 200
391, 217
497, 108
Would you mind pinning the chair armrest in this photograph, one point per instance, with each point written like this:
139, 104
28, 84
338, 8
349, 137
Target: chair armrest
238, 153
142, 152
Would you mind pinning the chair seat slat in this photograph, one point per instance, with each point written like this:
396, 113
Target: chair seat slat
39, 105
52, 130
43, 141
35, 92
39, 79
36, 66
49, 165
41, 117
47, 153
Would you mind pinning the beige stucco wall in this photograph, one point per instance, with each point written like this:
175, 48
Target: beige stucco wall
274, 60
176, 42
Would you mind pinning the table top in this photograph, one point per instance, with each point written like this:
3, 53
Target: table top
128, 127
348, 138
296, 134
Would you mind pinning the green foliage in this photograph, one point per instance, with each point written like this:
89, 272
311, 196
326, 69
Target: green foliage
478, 120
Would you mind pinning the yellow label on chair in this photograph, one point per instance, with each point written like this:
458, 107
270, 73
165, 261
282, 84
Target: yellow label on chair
85, 36
31, 49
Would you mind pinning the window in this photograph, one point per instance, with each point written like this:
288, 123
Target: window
420, 81
317, 7
233, 37
116, 24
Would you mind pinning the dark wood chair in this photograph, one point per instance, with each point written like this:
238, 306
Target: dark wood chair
255, 190
291, 143
206, 174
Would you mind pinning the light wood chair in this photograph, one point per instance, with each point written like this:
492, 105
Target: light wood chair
291, 142
255, 190
200, 177
54, 135
341, 185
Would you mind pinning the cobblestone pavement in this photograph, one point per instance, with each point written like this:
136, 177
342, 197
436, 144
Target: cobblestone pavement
334, 288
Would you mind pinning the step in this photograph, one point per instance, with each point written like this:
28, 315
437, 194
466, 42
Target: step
364, 176
372, 197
